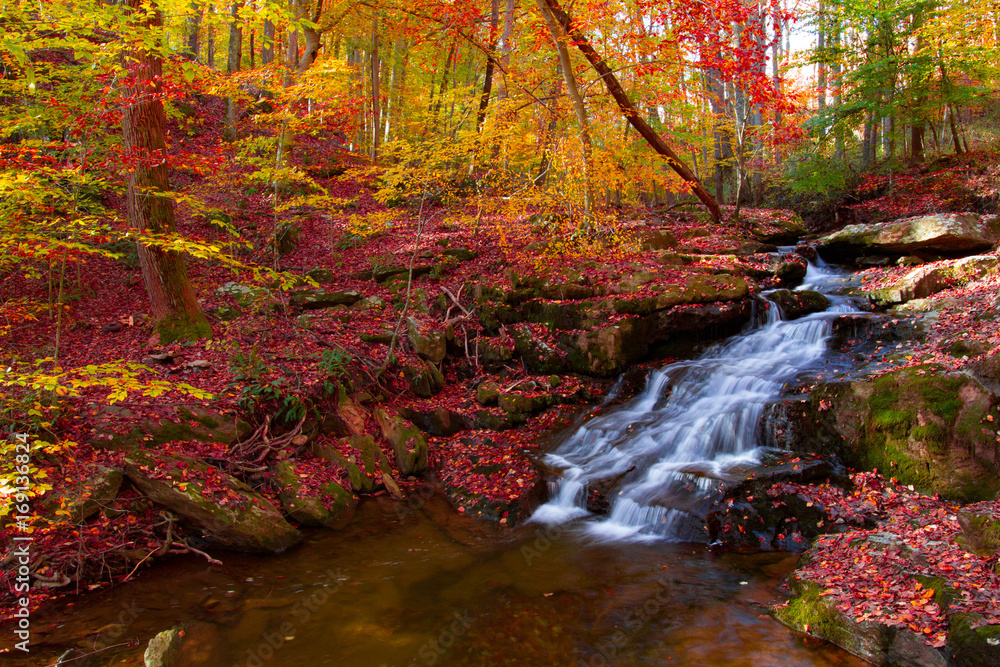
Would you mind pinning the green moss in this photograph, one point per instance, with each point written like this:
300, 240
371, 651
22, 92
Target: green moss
974, 646
183, 326
808, 612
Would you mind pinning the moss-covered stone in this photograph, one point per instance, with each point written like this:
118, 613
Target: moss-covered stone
799, 303
408, 443
487, 393
426, 342
973, 642
315, 299
79, 500
610, 350
330, 506
229, 512
923, 425
424, 378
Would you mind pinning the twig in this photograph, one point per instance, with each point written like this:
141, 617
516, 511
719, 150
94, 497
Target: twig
184, 547
455, 299
129, 575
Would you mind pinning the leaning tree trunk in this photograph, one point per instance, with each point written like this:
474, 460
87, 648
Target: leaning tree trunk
176, 313
630, 112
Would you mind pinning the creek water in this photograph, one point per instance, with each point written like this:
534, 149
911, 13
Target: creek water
421, 584
658, 459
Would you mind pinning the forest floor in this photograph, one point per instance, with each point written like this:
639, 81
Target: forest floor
272, 355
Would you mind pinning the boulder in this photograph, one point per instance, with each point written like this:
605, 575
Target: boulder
84, 498
656, 239
538, 355
779, 230
322, 275
424, 378
799, 303
926, 280
285, 237
460, 254
408, 443
609, 350
924, 425
754, 515
330, 505
427, 343
949, 233
315, 299
487, 393
811, 612
516, 402
365, 468
383, 273
441, 422
186, 424
229, 512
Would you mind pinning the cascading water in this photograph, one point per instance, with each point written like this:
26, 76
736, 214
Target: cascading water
660, 457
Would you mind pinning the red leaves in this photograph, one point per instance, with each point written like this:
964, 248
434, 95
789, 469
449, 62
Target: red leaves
875, 574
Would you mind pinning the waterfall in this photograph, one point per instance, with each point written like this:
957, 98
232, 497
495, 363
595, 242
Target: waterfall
660, 458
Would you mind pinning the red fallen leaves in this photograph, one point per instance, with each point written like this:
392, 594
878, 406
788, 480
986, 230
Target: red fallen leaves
872, 574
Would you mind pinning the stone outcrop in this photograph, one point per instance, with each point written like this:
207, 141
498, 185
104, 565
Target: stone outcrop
923, 425
924, 281
230, 514
946, 233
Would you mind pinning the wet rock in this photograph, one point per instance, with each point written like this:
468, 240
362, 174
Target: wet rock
754, 515
924, 425
164, 649
810, 612
791, 273
799, 303
931, 279
610, 350
440, 422
330, 505
779, 230
427, 343
315, 299
408, 443
974, 642
945, 233
229, 512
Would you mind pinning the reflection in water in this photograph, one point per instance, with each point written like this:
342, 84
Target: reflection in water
440, 589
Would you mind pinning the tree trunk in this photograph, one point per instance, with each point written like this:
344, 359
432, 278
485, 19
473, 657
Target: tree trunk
630, 112
210, 56
233, 65
175, 310
193, 31
376, 77
484, 100
267, 44
559, 36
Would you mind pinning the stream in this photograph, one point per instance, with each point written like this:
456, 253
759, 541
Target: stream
403, 586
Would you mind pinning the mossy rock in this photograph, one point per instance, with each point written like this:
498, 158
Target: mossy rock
426, 342
487, 393
924, 425
538, 356
285, 237
493, 353
229, 512
406, 440
331, 506
810, 612
316, 299
799, 303
424, 378
322, 275
186, 424
973, 642
779, 230
515, 402
980, 533
83, 498
365, 474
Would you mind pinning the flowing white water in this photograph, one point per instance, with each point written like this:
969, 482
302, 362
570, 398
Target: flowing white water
660, 457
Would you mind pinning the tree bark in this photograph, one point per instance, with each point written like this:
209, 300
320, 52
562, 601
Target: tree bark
630, 112
267, 44
559, 35
175, 310
484, 99
193, 46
